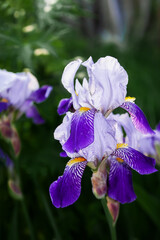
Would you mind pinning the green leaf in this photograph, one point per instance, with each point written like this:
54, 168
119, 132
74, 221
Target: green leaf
149, 204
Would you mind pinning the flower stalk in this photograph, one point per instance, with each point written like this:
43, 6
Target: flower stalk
109, 219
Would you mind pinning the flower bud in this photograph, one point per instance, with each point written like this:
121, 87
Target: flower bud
99, 181
14, 189
8, 131
113, 207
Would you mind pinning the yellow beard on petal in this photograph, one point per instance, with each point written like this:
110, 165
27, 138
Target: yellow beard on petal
4, 100
130, 99
121, 145
119, 160
84, 109
76, 160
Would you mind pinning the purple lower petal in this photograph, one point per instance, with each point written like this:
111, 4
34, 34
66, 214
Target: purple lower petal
3, 106
66, 190
41, 94
120, 186
136, 160
64, 105
33, 113
82, 131
138, 118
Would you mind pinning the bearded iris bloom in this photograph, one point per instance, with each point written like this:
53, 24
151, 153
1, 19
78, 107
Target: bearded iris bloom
20, 91
118, 157
89, 134
104, 90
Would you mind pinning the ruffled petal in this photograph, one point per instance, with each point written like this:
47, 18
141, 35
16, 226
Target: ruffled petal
62, 132
88, 64
146, 145
65, 105
108, 83
69, 74
41, 94
66, 190
138, 118
120, 186
136, 160
82, 130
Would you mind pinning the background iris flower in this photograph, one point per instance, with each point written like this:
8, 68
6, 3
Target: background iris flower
20, 91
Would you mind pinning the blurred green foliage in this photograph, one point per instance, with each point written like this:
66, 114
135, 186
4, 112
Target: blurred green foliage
45, 38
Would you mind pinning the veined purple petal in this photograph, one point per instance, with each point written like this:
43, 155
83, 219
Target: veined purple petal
33, 113
82, 131
3, 106
120, 186
64, 105
66, 190
41, 94
138, 118
136, 160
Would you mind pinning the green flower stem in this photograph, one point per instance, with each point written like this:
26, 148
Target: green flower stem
48, 210
109, 219
50, 217
26, 215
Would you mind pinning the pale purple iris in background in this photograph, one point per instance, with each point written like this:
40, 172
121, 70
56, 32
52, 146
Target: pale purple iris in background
89, 135
21, 90
145, 143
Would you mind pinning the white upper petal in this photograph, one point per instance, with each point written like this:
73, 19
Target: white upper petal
106, 88
69, 74
111, 79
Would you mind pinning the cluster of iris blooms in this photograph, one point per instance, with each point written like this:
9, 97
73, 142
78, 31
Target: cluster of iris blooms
92, 135
18, 93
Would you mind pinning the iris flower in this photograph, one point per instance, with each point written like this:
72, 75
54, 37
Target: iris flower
88, 134
104, 90
145, 143
120, 158
20, 91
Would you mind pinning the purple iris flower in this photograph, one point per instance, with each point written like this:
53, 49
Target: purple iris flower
21, 90
104, 90
120, 160
66, 190
90, 135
